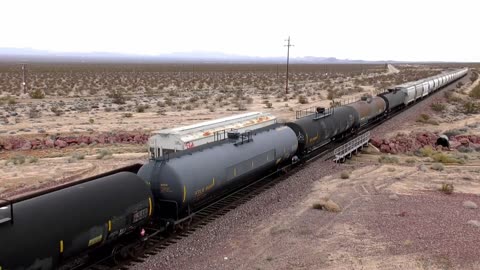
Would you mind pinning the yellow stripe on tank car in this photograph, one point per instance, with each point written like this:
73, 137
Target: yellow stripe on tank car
150, 209
109, 226
184, 193
61, 246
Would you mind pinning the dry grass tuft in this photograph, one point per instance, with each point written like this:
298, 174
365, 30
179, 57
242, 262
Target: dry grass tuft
104, 153
327, 205
388, 159
345, 175
447, 188
438, 156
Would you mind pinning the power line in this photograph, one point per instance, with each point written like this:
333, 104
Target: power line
288, 60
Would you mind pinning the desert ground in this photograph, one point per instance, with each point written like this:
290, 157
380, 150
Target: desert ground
403, 203
416, 209
73, 121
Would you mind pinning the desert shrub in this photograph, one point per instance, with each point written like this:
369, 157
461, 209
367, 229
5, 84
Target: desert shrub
425, 118
438, 156
475, 93
17, 160
473, 77
410, 160
437, 167
127, 115
188, 107
447, 188
471, 107
116, 96
451, 98
161, 104
302, 99
464, 149
345, 175
32, 160
387, 159
34, 113
331, 95
103, 153
141, 108
268, 104
56, 110
8, 100
240, 106
91, 120
438, 107
78, 156
193, 99
426, 151
454, 132
444, 158
169, 102
37, 94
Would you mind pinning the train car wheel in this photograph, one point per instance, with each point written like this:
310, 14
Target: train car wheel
119, 254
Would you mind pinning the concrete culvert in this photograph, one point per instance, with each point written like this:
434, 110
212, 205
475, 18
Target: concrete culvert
443, 141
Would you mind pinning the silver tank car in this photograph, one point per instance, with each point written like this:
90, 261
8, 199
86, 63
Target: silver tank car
318, 128
48, 229
186, 181
369, 108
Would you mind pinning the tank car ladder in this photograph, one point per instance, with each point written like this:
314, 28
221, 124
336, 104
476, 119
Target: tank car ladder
6, 211
346, 150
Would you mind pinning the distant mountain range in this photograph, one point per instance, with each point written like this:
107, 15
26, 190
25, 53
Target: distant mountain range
33, 55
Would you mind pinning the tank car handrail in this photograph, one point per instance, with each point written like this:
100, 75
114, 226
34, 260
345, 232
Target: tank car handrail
202, 147
245, 137
314, 111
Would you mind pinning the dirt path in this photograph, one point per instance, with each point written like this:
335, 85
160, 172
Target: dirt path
392, 69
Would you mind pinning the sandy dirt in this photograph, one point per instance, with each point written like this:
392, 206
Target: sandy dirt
93, 114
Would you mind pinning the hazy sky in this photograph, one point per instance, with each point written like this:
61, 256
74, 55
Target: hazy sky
354, 29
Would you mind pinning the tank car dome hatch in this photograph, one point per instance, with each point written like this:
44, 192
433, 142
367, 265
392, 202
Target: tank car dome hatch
234, 134
181, 138
320, 109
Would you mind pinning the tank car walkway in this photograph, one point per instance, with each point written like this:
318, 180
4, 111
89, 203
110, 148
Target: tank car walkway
346, 150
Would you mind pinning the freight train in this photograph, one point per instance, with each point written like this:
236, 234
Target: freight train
46, 230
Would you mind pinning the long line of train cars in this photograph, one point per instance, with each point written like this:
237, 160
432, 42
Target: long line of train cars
45, 231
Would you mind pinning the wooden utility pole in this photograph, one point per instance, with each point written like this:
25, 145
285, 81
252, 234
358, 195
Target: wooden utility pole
24, 83
288, 59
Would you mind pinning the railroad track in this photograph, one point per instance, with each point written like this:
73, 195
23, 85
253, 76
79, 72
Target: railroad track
159, 240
